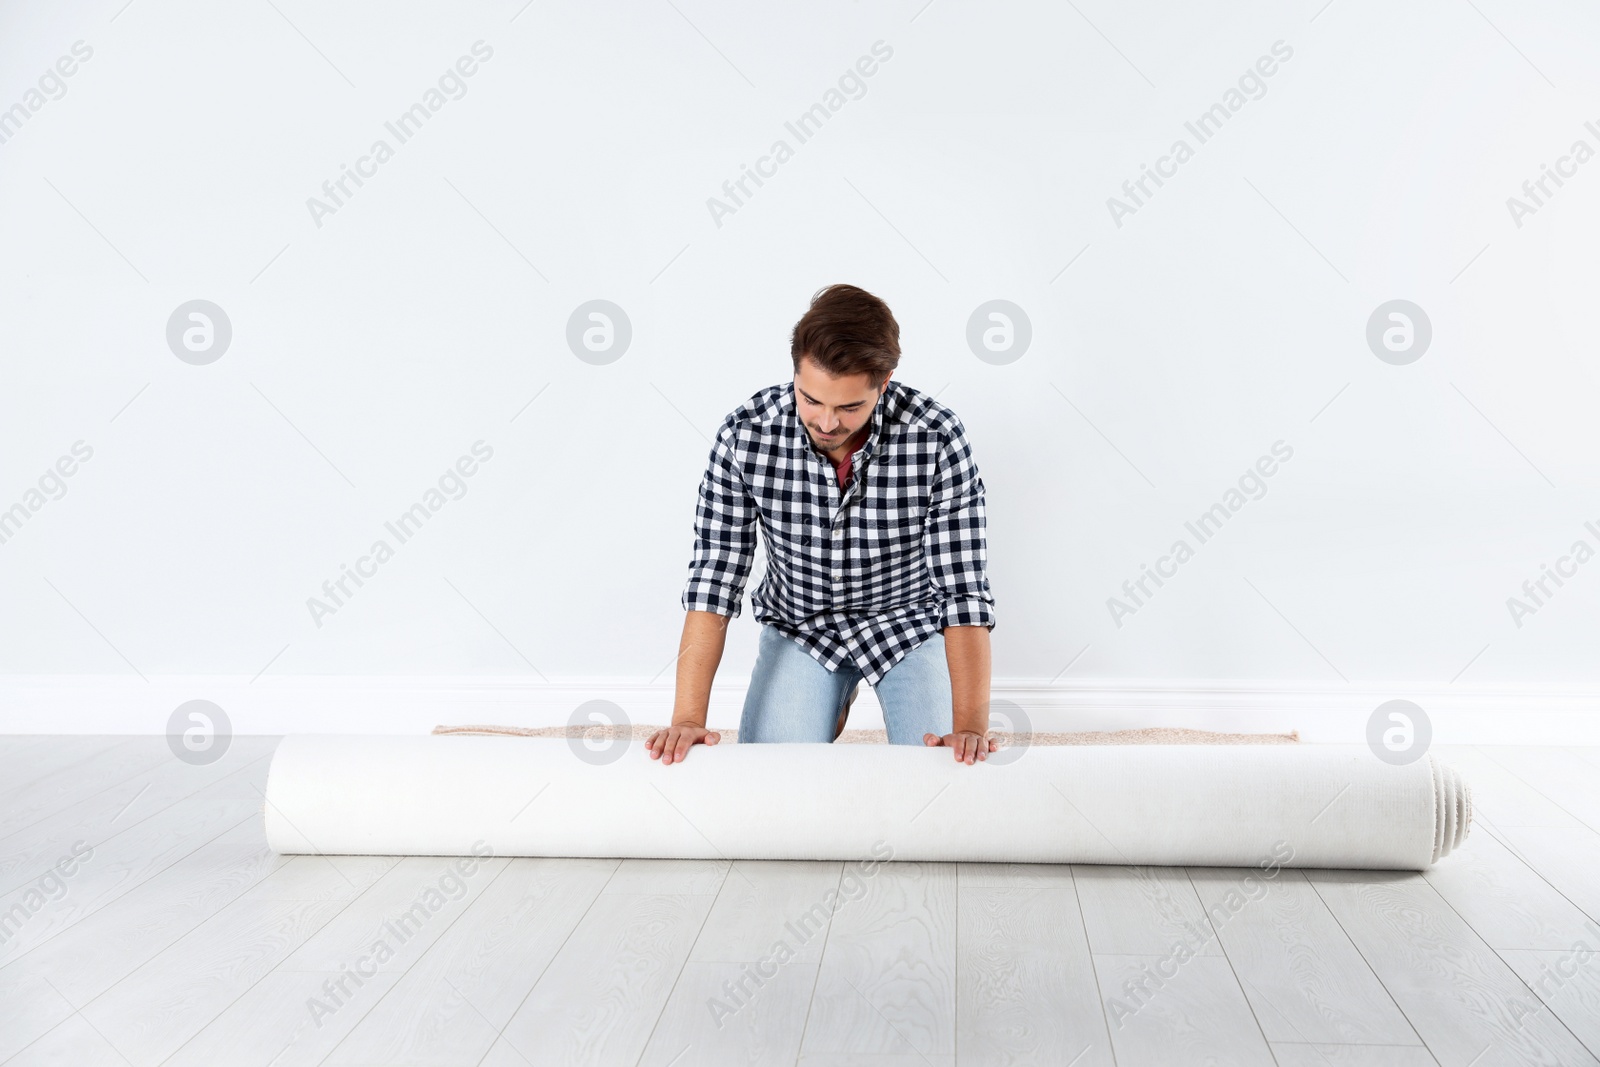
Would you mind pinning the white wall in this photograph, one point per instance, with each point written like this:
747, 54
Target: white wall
430, 310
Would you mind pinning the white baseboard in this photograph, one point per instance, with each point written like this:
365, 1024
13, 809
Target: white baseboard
70, 704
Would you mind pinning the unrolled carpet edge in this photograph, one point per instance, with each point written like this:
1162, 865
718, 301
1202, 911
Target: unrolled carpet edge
1153, 735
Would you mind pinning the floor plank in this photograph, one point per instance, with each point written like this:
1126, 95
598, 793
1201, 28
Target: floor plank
1026, 990
1500, 796
124, 860
669, 877
37, 763
864, 1059
287, 1019
452, 1004
1564, 777
1291, 1054
1504, 900
90, 957
1298, 970
1164, 1010
1568, 983
1015, 875
704, 1023
1566, 857
25, 805
15, 744
600, 997
764, 902
1462, 998
1132, 911
321, 877
402, 913
28, 853
74, 1042
887, 982
164, 1003
30, 1007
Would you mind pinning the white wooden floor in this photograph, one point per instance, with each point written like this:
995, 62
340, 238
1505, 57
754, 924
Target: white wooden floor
180, 939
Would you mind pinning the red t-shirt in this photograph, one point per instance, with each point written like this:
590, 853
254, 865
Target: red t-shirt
842, 467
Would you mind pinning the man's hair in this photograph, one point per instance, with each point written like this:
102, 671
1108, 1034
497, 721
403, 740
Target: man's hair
848, 331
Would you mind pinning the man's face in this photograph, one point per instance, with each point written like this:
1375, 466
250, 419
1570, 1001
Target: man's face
833, 409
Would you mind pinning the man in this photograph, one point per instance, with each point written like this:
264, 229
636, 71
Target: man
873, 514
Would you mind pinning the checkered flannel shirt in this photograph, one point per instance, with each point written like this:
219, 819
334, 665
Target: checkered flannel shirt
861, 575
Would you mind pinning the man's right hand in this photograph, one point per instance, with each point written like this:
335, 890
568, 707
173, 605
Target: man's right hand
672, 744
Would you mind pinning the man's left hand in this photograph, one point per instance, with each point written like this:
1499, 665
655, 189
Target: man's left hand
966, 745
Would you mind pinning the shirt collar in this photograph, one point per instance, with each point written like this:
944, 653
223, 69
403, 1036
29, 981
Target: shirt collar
874, 424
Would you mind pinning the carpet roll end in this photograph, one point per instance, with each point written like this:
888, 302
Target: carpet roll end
1452, 809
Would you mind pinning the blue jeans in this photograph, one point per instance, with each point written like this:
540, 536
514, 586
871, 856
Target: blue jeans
792, 697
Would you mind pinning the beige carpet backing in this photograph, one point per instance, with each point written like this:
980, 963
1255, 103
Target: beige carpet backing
1153, 735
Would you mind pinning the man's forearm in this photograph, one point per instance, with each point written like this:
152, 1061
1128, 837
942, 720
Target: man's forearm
699, 653
966, 648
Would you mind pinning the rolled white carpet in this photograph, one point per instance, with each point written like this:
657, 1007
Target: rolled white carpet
1307, 805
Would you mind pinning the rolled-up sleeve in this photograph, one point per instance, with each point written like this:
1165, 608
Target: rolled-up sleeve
953, 538
725, 521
